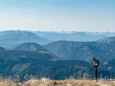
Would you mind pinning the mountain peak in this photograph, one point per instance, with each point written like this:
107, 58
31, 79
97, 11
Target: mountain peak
30, 46
107, 40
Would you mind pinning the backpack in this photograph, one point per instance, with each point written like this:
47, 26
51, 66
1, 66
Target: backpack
97, 62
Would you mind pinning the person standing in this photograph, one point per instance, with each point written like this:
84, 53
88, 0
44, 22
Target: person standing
96, 68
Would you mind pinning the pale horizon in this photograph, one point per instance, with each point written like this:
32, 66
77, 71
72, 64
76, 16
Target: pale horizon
58, 31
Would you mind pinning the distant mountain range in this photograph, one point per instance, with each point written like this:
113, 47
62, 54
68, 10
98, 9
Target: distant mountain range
10, 39
31, 59
75, 36
28, 57
71, 50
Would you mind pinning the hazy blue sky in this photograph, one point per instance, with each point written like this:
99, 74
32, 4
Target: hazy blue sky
57, 15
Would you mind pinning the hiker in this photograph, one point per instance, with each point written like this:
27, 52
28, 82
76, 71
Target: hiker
96, 67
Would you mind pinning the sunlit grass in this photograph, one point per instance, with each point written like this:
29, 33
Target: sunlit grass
48, 82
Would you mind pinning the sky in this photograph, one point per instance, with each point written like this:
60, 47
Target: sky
58, 15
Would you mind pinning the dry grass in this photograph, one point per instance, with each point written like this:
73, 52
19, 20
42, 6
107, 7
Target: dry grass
8, 82
48, 82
